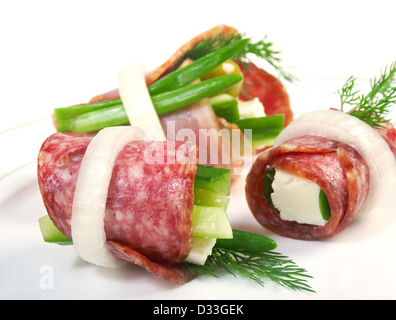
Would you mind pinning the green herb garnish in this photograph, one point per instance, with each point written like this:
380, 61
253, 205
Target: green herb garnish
372, 107
262, 49
255, 265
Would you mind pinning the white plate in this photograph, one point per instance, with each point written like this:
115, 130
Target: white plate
50, 62
356, 264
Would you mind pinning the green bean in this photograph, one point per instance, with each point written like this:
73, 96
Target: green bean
247, 241
65, 116
197, 69
324, 206
79, 109
115, 114
172, 100
77, 118
99, 119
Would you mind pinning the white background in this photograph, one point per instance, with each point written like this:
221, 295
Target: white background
59, 53
56, 53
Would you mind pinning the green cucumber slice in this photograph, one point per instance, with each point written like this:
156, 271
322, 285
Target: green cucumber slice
51, 233
225, 106
210, 222
207, 222
203, 197
213, 179
211, 191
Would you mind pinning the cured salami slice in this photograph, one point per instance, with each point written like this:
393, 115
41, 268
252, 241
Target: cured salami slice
351, 162
174, 60
336, 167
149, 203
388, 133
268, 89
257, 82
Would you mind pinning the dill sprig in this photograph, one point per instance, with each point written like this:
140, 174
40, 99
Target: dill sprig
374, 106
265, 50
254, 265
262, 49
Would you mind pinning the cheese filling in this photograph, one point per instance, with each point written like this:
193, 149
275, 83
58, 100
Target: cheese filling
251, 109
297, 198
202, 248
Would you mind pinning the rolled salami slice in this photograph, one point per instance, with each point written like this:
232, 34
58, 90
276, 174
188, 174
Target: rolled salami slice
149, 202
174, 60
268, 89
351, 162
258, 83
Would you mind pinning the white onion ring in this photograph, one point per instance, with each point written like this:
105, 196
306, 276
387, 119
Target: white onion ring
339, 126
89, 203
137, 101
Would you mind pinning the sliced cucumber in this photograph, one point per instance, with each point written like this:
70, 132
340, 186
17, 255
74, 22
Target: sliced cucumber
225, 106
213, 179
51, 233
203, 197
207, 222
209, 217
210, 222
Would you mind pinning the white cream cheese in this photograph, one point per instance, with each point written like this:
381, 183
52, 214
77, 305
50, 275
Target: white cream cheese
251, 109
297, 198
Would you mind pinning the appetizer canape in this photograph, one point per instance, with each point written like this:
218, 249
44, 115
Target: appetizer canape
327, 165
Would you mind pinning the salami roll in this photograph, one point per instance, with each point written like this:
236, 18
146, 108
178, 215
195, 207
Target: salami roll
349, 161
174, 60
257, 82
149, 203
268, 89
200, 117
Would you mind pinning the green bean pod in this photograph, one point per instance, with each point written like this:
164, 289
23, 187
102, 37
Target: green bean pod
172, 100
197, 69
243, 240
97, 120
65, 116
113, 113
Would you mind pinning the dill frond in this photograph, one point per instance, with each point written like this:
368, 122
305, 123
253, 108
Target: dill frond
347, 94
256, 266
374, 106
262, 49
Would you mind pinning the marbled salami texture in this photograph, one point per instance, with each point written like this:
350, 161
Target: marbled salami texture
336, 167
149, 205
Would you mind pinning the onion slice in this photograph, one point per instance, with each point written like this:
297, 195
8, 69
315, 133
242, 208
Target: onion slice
89, 203
137, 101
339, 126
